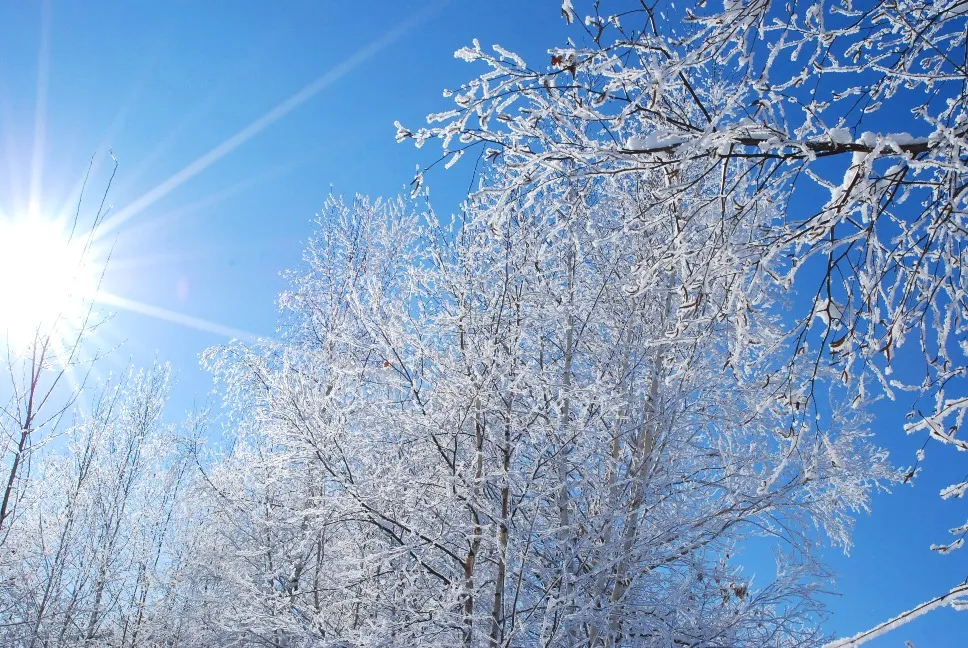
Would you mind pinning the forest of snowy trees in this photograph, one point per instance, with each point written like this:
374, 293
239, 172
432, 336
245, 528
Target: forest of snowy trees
698, 245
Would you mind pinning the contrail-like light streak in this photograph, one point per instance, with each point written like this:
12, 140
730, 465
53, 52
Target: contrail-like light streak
275, 114
175, 317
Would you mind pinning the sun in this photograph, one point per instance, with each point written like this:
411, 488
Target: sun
48, 279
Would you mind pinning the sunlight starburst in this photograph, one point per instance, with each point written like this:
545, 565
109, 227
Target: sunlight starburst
49, 278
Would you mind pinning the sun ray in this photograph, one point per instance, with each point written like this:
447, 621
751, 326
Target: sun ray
166, 143
70, 205
161, 148
143, 228
273, 115
14, 164
40, 111
174, 317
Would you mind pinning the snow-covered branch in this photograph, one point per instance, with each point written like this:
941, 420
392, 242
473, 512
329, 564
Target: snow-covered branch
957, 598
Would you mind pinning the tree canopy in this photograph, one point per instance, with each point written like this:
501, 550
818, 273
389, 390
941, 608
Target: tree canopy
784, 118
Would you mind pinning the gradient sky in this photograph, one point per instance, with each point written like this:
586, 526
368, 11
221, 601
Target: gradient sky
233, 120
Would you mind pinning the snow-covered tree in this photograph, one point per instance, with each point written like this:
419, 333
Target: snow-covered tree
48, 272
488, 433
837, 127
101, 543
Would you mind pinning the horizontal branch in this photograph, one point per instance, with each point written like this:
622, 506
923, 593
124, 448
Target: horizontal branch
818, 147
958, 595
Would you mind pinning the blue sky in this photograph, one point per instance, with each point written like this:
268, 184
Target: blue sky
233, 120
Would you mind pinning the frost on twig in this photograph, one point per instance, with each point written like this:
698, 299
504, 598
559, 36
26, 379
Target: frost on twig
957, 598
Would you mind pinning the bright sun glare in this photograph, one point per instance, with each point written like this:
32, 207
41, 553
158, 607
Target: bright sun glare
46, 278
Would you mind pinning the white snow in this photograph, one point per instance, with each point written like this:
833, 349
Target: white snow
867, 138
948, 548
957, 490
840, 136
653, 141
828, 311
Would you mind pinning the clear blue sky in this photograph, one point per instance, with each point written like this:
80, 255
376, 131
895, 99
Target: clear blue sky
233, 120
